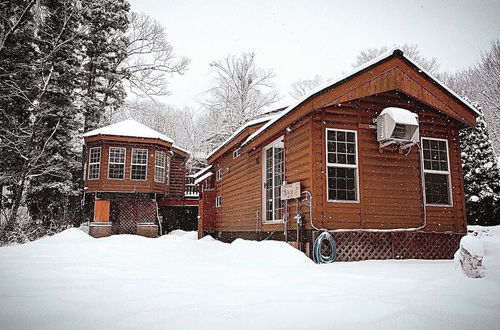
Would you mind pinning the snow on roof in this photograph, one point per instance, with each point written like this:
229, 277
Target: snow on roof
200, 172
241, 129
401, 116
345, 76
203, 177
129, 128
180, 148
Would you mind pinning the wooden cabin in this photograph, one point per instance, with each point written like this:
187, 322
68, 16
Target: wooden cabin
135, 182
379, 199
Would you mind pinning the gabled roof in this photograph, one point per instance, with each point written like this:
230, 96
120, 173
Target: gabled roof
130, 128
200, 172
241, 129
359, 69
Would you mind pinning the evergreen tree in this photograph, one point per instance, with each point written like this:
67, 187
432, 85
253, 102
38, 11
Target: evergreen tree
56, 115
18, 55
481, 176
39, 67
104, 44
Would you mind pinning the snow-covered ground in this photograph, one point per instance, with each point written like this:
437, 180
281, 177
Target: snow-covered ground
73, 281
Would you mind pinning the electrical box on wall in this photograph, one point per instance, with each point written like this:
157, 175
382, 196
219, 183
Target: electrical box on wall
397, 126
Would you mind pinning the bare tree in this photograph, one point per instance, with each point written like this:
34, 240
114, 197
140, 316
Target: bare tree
159, 116
241, 90
481, 84
11, 21
302, 87
431, 65
150, 57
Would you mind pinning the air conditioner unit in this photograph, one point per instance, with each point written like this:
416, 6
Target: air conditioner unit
397, 126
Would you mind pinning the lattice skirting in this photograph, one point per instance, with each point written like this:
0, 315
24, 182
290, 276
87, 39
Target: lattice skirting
354, 246
126, 214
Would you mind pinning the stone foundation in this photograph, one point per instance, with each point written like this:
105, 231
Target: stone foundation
147, 230
100, 229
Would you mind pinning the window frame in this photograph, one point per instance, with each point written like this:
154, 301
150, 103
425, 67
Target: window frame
218, 201
132, 164
218, 174
335, 165
124, 162
263, 181
237, 153
89, 164
424, 171
157, 166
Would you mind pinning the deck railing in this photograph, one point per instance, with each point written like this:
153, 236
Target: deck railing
191, 190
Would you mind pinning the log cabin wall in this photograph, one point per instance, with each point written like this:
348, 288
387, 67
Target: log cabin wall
173, 186
390, 182
241, 183
390, 186
177, 179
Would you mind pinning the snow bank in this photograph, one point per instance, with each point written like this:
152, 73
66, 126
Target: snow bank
182, 233
73, 281
490, 239
473, 245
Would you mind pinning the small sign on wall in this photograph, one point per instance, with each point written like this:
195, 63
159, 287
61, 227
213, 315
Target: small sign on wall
290, 190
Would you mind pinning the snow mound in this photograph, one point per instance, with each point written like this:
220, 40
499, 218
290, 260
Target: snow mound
473, 245
268, 253
69, 235
186, 234
489, 238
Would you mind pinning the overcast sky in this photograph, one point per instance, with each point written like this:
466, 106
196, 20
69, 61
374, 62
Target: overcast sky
300, 39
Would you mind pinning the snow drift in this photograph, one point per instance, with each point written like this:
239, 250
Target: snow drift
73, 281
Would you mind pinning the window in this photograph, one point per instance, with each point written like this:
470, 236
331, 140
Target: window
273, 167
139, 164
218, 174
94, 163
116, 163
167, 172
159, 166
342, 165
218, 201
436, 171
237, 153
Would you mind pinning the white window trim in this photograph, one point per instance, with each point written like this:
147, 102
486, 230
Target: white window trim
357, 201
218, 201
218, 175
168, 158
237, 153
264, 213
89, 164
124, 161
132, 163
162, 167
450, 190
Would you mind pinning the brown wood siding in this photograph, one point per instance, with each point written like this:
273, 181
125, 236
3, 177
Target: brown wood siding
241, 183
177, 177
390, 187
103, 184
393, 74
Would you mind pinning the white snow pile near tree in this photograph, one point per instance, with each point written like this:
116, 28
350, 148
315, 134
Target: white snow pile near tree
484, 242
73, 281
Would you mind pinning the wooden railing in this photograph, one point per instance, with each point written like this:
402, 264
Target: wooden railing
191, 189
